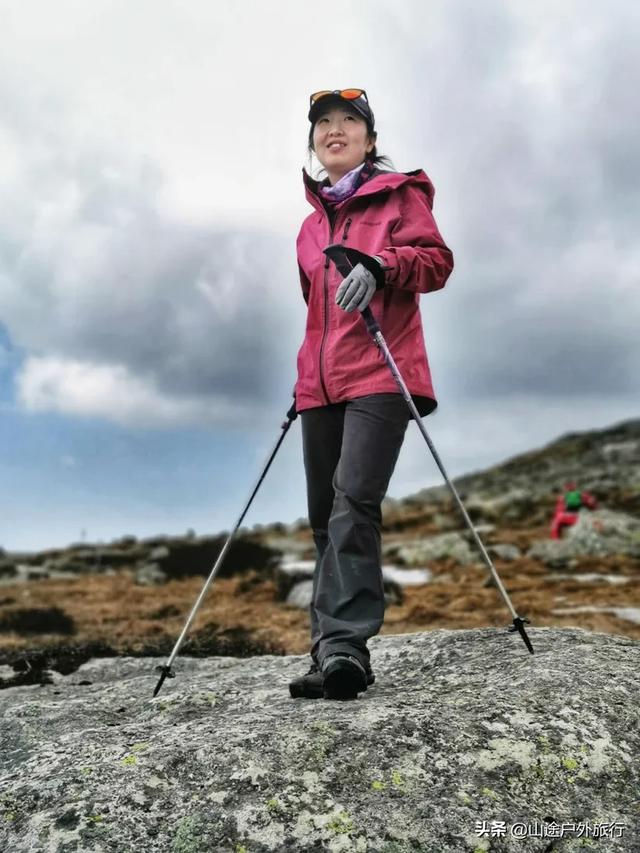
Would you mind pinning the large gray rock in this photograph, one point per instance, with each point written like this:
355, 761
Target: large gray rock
420, 552
460, 727
31, 572
509, 506
504, 551
599, 532
149, 574
301, 593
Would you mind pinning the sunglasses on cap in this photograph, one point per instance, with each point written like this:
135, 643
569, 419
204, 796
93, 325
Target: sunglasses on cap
347, 94
356, 98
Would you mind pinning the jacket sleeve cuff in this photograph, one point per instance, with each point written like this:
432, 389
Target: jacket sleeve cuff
375, 267
387, 271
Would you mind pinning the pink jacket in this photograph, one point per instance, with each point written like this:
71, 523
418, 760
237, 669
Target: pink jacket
390, 216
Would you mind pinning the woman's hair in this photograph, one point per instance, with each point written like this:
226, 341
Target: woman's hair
372, 156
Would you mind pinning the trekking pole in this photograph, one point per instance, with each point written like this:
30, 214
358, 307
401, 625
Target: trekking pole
345, 258
166, 671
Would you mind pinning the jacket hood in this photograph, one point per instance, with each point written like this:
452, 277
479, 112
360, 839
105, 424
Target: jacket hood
380, 181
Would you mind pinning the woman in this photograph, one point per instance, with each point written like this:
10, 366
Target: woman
353, 415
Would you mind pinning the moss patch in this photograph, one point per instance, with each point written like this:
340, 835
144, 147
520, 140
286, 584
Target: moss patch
489, 793
397, 780
340, 823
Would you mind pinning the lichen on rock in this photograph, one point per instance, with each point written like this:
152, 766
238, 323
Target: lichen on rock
460, 726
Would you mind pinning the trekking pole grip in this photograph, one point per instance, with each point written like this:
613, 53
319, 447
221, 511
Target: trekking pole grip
345, 258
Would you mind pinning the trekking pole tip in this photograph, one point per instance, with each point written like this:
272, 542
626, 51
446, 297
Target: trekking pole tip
518, 625
165, 672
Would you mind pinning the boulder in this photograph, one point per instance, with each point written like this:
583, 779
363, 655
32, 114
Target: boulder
504, 552
421, 551
289, 573
301, 592
31, 572
160, 552
149, 574
513, 505
464, 741
180, 558
599, 532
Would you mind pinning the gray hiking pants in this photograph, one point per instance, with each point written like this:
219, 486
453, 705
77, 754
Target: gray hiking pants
350, 451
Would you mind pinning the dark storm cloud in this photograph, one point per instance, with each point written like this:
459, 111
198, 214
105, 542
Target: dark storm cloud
93, 271
526, 116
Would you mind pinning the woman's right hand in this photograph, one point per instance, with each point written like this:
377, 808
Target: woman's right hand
356, 289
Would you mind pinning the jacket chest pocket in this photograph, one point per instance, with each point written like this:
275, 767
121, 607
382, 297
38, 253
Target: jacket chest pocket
370, 234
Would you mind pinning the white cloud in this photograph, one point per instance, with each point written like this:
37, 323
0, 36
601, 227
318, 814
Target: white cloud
112, 393
94, 271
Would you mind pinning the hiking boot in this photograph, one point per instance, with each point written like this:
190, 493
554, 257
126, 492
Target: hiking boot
309, 686
343, 677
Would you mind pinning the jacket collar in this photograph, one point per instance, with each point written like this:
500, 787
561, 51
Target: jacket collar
380, 181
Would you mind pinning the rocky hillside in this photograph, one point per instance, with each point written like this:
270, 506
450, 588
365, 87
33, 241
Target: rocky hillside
523, 490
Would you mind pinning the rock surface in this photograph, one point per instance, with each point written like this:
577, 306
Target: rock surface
420, 552
596, 533
460, 727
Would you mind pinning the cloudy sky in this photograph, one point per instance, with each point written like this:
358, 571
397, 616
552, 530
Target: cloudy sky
151, 160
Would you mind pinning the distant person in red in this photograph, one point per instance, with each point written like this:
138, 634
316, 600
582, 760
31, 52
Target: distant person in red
568, 507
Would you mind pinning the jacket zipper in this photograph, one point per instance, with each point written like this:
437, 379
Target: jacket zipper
326, 311
347, 225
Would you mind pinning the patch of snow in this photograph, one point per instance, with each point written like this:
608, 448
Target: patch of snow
629, 614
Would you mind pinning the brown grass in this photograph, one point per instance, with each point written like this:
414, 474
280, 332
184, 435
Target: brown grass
113, 609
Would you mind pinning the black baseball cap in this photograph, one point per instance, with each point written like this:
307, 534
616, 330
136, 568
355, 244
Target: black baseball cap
356, 99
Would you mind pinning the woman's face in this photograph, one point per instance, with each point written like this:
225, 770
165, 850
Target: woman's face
341, 141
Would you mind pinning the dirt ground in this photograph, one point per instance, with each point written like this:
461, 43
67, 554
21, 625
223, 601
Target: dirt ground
112, 615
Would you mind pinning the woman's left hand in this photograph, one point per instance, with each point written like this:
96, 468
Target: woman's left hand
356, 289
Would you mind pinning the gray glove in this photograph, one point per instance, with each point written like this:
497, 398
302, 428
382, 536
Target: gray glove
357, 288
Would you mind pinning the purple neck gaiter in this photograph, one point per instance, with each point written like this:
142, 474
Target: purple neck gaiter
347, 184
